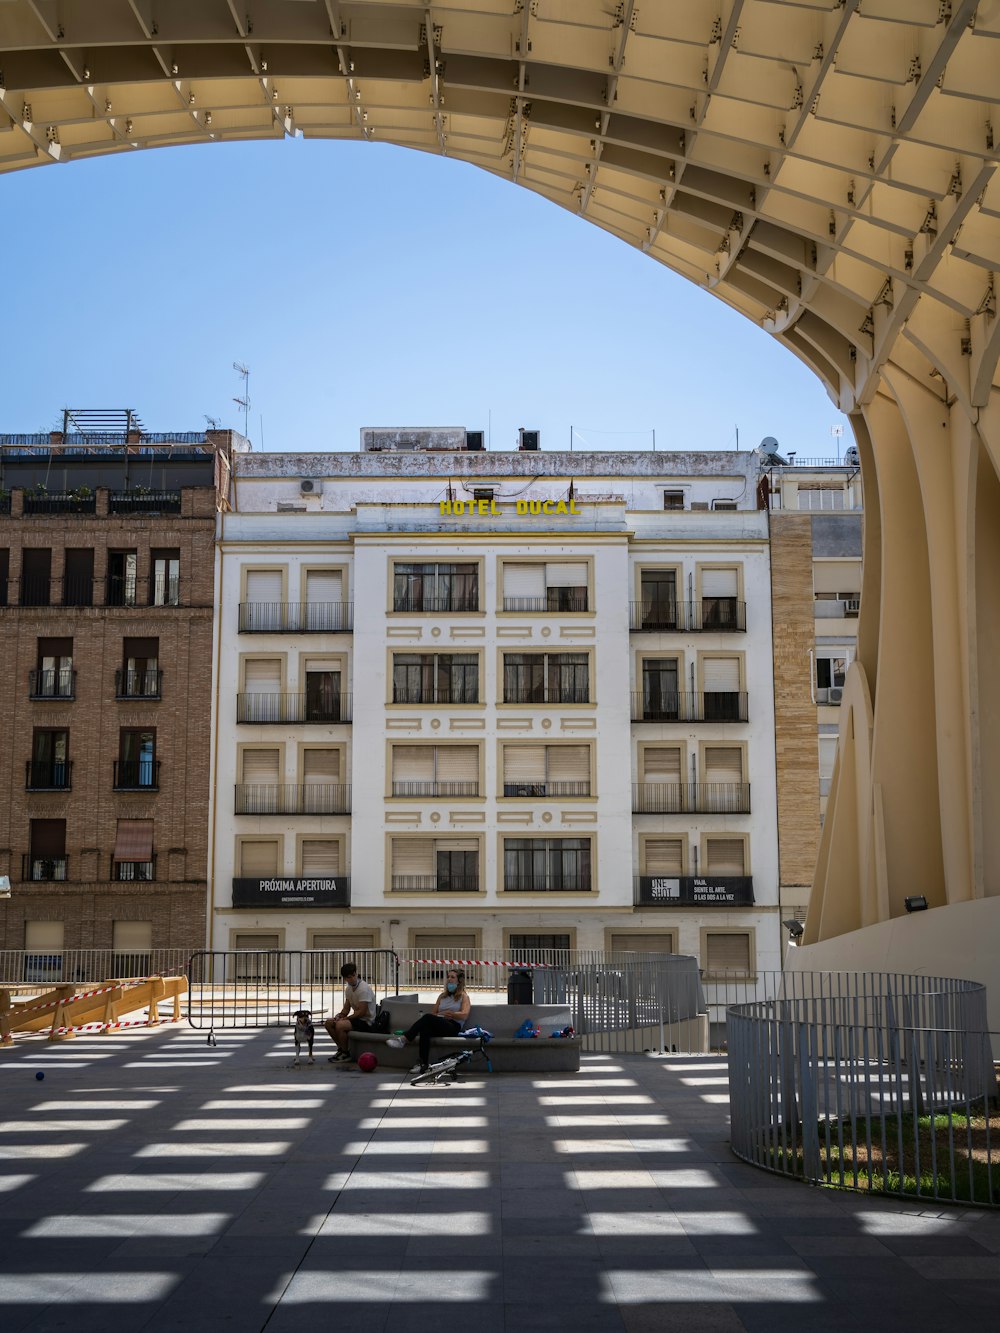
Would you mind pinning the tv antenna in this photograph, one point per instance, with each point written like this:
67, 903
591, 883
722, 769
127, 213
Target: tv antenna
244, 402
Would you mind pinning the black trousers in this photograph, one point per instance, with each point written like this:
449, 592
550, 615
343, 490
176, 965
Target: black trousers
428, 1026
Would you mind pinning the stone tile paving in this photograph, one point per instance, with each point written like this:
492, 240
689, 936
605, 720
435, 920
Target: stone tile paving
153, 1182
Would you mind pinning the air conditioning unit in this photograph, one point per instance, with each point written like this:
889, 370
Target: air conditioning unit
528, 439
474, 440
699, 504
835, 694
723, 504
852, 605
309, 486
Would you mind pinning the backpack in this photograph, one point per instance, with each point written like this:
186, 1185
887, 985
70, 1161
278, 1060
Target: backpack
380, 1023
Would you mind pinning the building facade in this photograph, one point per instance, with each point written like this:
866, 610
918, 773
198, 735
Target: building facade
475, 703
106, 584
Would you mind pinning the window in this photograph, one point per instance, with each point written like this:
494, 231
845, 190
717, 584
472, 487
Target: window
658, 599
540, 678
455, 946
259, 858
546, 865
53, 677
322, 790
725, 856
139, 677
435, 587
435, 770
320, 856
831, 672
4, 573
642, 941
262, 699
522, 945
133, 854
821, 497
435, 678
47, 850
673, 500
725, 791
719, 599
660, 698
165, 578
43, 952
555, 587
122, 569
435, 865
260, 793
78, 578
323, 698
727, 953
546, 770
663, 856
49, 767
325, 609
661, 789
137, 766
36, 576
257, 952
131, 946
721, 677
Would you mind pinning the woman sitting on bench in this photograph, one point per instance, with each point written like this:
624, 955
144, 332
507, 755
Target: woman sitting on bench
446, 1018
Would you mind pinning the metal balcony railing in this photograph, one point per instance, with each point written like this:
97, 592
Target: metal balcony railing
711, 615
296, 617
268, 708
547, 790
137, 775
44, 867
435, 788
570, 602
59, 504
554, 693
404, 694
48, 775
704, 798
144, 871
121, 590
564, 884
51, 684
434, 884
712, 706
435, 605
153, 502
138, 684
310, 798
166, 593
35, 590
78, 590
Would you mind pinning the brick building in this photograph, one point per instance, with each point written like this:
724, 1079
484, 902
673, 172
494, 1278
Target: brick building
106, 596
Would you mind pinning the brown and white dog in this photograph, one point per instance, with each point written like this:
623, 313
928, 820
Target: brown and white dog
303, 1033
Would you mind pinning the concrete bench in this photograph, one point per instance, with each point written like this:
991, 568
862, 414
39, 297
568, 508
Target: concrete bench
508, 1054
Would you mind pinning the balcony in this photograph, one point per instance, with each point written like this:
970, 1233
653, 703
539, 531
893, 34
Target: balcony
403, 694
417, 601
571, 693
296, 617
44, 867
137, 775
149, 502
277, 708
714, 706
60, 503
52, 684
293, 891
311, 798
579, 883
128, 871
138, 684
121, 590
35, 590
434, 884
435, 789
700, 798
571, 601
693, 891
48, 775
546, 790
716, 615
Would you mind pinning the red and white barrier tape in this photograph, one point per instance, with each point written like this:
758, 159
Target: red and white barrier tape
473, 962
118, 1023
82, 995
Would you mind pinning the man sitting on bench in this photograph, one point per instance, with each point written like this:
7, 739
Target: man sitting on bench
357, 1015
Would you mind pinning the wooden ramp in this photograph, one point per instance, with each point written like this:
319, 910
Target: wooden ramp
66, 1008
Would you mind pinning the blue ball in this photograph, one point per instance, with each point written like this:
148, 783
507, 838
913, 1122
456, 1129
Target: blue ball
39, 1075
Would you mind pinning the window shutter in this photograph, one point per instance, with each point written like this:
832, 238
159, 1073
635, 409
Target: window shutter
725, 856
48, 838
664, 856
320, 766
523, 763
413, 763
661, 764
134, 840
457, 845
433, 945
262, 676
568, 763
260, 767
413, 856
723, 763
566, 575
348, 942
320, 857
833, 578
264, 585
727, 953
44, 936
324, 586
258, 859
719, 583
524, 581
457, 763
255, 941
721, 675
644, 941
132, 936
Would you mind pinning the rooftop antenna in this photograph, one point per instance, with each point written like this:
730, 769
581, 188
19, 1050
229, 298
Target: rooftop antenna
244, 402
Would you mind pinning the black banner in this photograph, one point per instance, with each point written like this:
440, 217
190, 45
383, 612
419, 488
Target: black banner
292, 892
695, 891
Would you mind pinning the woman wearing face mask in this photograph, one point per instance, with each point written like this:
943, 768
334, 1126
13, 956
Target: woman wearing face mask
446, 1018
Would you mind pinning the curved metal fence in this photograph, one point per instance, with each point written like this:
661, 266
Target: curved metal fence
879, 1082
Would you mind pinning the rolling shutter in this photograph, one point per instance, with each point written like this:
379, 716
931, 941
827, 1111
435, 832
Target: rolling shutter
324, 586
566, 575
719, 583
132, 936
723, 763
432, 945
834, 578
456, 845
661, 763
348, 942
264, 585
320, 857
413, 856
568, 763
320, 766
43, 936
255, 942
727, 953
523, 763
664, 856
524, 581
721, 675
458, 763
262, 676
641, 941
260, 767
258, 859
413, 763
724, 856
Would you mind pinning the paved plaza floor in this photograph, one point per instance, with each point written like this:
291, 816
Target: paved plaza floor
151, 1181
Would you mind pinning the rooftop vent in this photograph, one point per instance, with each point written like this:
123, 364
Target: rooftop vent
528, 439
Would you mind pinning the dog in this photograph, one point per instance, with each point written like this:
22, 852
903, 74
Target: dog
303, 1033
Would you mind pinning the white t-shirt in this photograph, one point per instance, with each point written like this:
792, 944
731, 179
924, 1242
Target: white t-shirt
361, 993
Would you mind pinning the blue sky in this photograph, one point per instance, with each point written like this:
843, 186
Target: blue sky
365, 285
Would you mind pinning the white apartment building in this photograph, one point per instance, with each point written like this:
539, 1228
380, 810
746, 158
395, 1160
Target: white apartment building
474, 702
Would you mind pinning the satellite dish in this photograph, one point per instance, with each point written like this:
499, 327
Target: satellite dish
851, 456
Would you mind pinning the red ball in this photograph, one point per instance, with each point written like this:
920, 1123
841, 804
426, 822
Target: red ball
367, 1062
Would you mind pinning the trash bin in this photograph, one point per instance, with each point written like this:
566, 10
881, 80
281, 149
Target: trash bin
519, 987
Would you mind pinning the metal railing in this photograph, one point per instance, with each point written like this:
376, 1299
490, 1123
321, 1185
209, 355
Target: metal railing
48, 774
554, 693
309, 798
35, 590
133, 870
268, 708
708, 706
52, 684
878, 1082
153, 502
296, 617
721, 615
137, 775
706, 798
459, 603
145, 684
570, 883
547, 790
434, 884
44, 867
467, 694
120, 590
439, 789
574, 601
44, 967
59, 504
